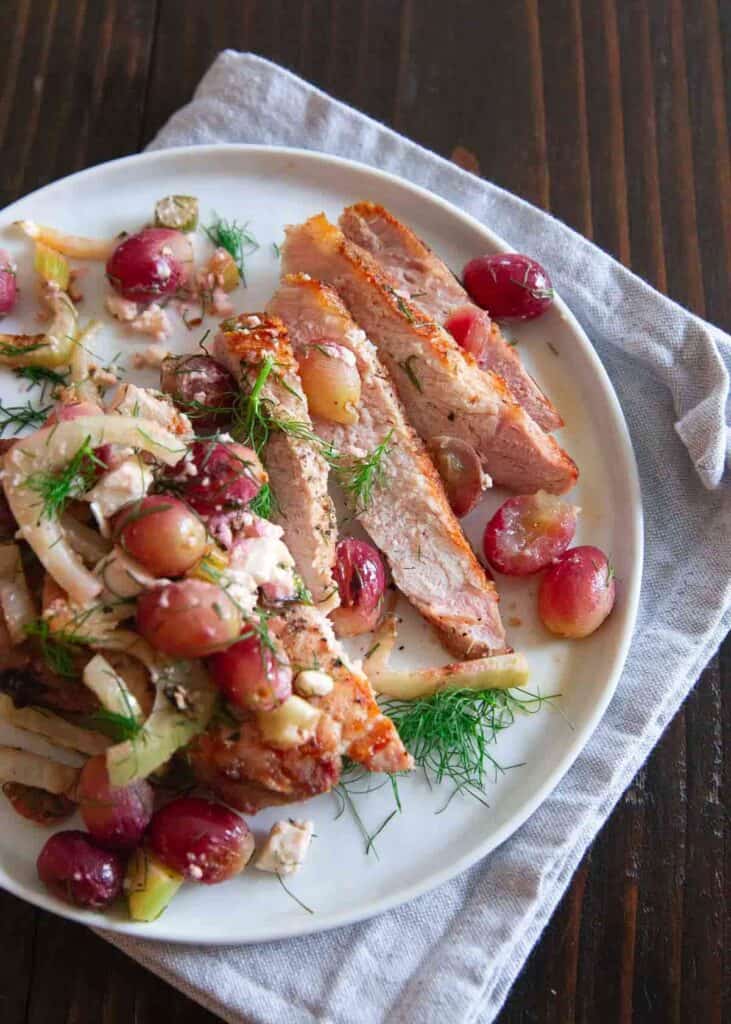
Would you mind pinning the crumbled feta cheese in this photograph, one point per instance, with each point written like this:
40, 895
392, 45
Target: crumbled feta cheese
153, 321
311, 683
129, 400
121, 309
129, 482
267, 562
286, 847
151, 359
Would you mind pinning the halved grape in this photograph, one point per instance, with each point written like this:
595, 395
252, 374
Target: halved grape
509, 286
459, 467
78, 872
201, 388
252, 676
162, 534
577, 593
331, 381
115, 817
202, 840
188, 619
470, 327
227, 477
8, 284
527, 532
150, 265
361, 579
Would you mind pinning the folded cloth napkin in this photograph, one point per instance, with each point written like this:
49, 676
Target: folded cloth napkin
452, 955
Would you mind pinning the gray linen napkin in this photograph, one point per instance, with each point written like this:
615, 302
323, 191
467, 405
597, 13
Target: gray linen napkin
453, 954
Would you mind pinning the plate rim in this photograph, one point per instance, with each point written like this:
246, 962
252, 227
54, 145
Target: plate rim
291, 928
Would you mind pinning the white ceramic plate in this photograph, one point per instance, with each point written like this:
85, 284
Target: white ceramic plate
419, 849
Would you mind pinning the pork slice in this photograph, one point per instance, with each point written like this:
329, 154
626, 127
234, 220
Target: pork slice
442, 388
236, 763
408, 517
297, 470
366, 734
418, 273
239, 766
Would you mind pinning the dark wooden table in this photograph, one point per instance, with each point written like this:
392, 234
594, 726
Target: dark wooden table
610, 113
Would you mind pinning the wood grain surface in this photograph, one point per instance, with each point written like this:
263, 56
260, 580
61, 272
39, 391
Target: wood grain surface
613, 114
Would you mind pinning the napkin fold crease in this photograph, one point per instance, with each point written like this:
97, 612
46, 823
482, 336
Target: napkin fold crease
453, 954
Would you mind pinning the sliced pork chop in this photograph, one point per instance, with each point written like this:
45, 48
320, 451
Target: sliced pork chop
238, 765
442, 388
416, 272
297, 471
408, 516
366, 734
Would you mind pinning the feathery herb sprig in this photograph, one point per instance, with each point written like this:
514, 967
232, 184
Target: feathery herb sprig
264, 504
58, 646
292, 895
351, 777
254, 422
7, 348
57, 488
43, 377
18, 417
358, 477
235, 238
449, 733
116, 726
251, 422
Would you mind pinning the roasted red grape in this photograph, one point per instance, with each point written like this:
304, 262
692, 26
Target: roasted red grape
162, 534
227, 477
204, 841
527, 532
459, 467
577, 593
78, 872
509, 286
470, 327
150, 265
331, 381
115, 818
361, 580
8, 284
188, 619
202, 389
252, 676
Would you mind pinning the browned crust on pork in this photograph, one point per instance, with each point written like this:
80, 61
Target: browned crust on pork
367, 735
297, 470
553, 469
476, 630
236, 763
504, 359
